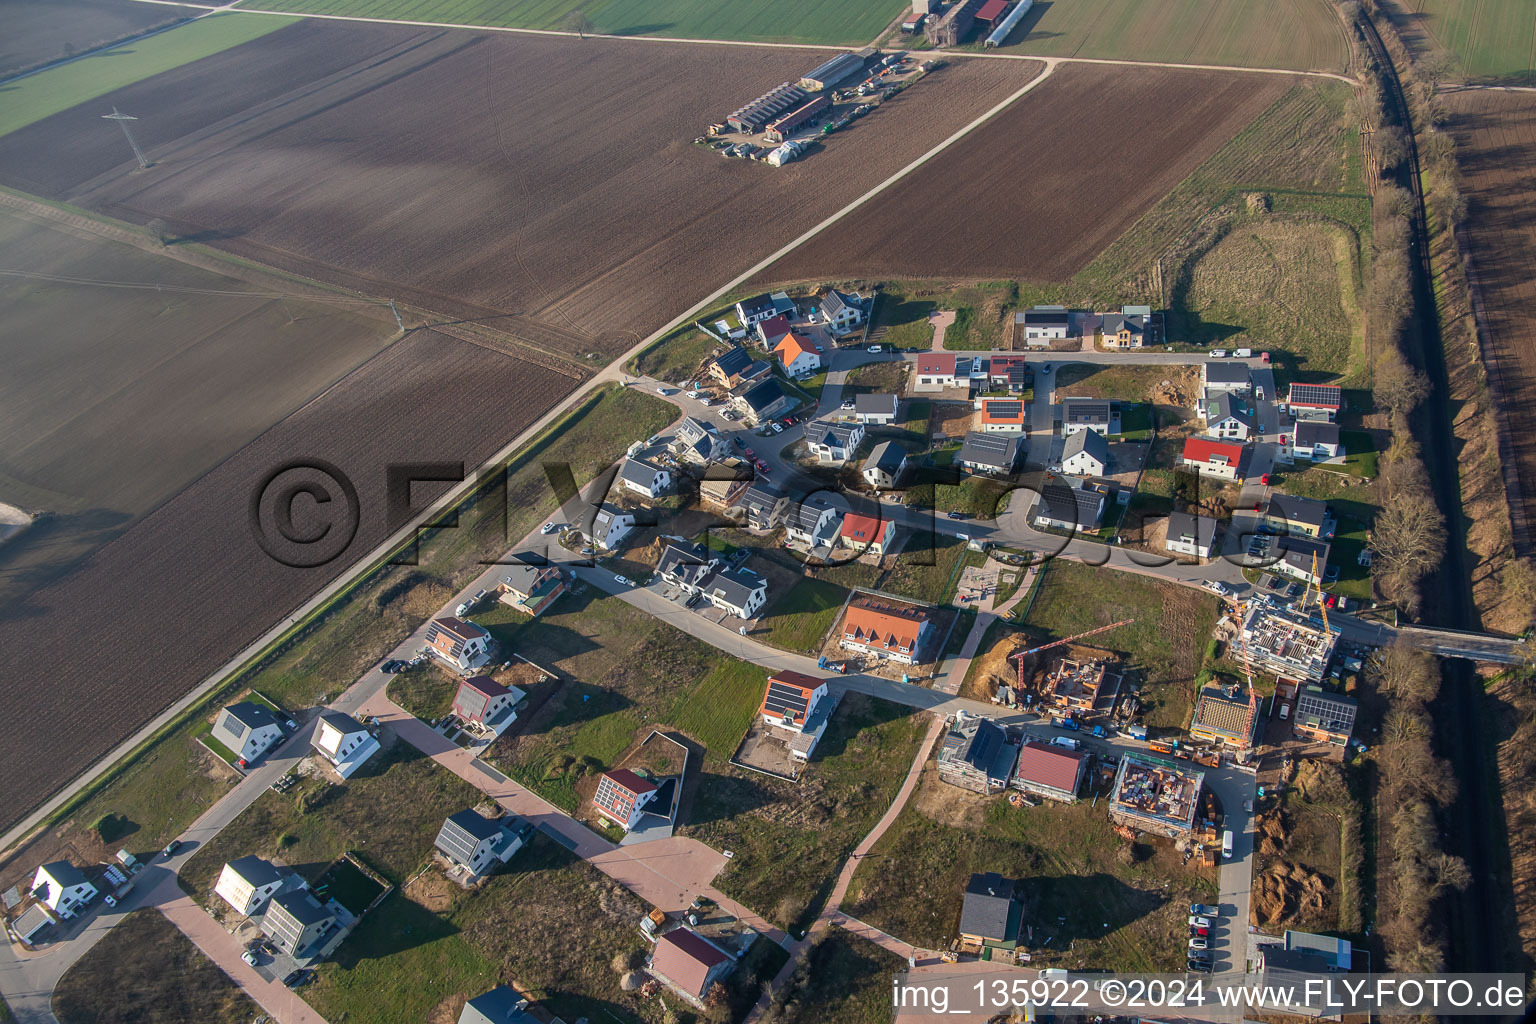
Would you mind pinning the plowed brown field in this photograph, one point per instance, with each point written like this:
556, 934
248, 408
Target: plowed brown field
478, 174
1049, 184
1496, 146
39, 31
173, 598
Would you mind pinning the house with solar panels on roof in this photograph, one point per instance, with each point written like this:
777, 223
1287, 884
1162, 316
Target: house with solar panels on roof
1315, 401
799, 704
247, 730
1000, 415
459, 644
473, 845
622, 796
978, 755
842, 311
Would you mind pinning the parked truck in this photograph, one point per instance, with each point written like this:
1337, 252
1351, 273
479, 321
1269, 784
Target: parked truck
1066, 722
1137, 732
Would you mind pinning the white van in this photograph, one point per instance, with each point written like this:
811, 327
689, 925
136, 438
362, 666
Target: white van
1226, 845
1243, 353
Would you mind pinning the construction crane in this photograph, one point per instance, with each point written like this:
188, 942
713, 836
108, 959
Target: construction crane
1021, 655
1314, 586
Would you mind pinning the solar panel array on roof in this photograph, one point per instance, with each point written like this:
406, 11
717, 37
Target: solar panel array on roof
1316, 394
786, 700
1005, 410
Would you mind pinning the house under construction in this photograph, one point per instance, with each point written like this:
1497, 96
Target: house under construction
1082, 685
1156, 796
1226, 715
1287, 643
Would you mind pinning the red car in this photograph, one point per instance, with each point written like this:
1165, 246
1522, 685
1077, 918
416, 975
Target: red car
1201, 932
1264, 479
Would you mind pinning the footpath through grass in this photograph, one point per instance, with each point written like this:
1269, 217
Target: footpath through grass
848, 22
49, 92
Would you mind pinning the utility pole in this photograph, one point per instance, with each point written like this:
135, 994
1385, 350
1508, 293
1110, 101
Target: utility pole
399, 323
122, 121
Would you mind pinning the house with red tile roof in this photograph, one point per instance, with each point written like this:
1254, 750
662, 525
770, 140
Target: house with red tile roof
893, 632
622, 795
934, 370
689, 964
461, 644
866, 534
1050, 771
1224, 460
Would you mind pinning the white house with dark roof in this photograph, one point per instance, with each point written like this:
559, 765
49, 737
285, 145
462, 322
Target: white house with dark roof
458, 643
685, 566
1086, 454
1190, 535
297, 923
874, 410
476, 844
247, 730
739, 591
842, 311
343, 741
640, 476
1068, 508
997, 454
605, 526
810, 522
1079, 414
696, 442
762, 506
1229, 378
498, 1006
62, 888
484, 701
757, 308
1227, 417
1318, 439
622, 796
885, 465
834, 443
758, 403
247, 883
1315, 401
1040, 326
1129, 328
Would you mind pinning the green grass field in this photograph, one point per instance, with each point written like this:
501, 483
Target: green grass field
1302, 35
799, 619
844, 978
850, 22
48, 92
1492, 40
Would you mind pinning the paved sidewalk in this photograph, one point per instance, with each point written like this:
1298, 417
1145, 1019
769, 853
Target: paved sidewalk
941, 321
960, 664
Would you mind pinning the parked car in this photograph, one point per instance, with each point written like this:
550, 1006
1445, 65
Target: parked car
622, 581
693, 394
847, 405
1198, 943
706, 401
1204, 910
1217, 587
662, 391
1285, 712
1264, 479
249, 958
876, 348
172, 848
1196, 921
109, 900
1200, 966
548, 528
1294, 590
1218, 353
748, 452
778, 428
956, 515
1200, 932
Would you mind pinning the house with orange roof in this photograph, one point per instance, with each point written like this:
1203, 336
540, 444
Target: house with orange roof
622, 795
799, 354
801, 705
867, 534
889, 631
1001, 415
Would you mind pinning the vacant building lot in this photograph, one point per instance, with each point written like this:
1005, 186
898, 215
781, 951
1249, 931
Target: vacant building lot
40, 31
854, 22
144, 971
477, 174
1303, 35
98, 421
1031, 207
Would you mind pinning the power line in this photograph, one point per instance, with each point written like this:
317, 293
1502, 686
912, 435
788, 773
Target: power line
122, 122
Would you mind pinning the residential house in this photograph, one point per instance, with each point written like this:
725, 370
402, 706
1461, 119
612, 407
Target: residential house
685, 566
739, 591
247, 730
1038, 327
1318, 439
843, 311
246, 883
1049, 771
889, 631
1323, 716
867, 534
755, 310
978, 755
62, 888
475, 843
1190, 535
641, 476
722, 486
885, 465
461, 645
605, 526
810, 522
783, 305
761, 402
874, 410
799, 353
773, 330
1009, 372
1226, 416
834, 443
622, 796
935, 370
990, 915
1295, 515
689, 964
1155, 796
1001, 415
697, 443
297, 923
1086, 454
1224, 460
1315, 401
1225, 715
1068, 508
498, 1006
1079, 414
1129, 328
762, 505
1286, 642
1304, 558
791, 699
996, 454
484, 701
343, 741
735, 366
529, 583
1218, 378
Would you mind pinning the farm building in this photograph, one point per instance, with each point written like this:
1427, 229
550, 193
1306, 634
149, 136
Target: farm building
801, 115
761, 112
1287, 643
1223, 714
977, 755
952, 28
838, 69
1010, 21
1155, 796
1049, 771
989, 15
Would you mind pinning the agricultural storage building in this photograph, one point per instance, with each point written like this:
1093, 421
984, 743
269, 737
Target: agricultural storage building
955, 25
768, 107
795, 118
990, 13
1005, 27
843, 66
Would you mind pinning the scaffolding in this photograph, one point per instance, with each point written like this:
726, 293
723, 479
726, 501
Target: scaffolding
1155, 796
1287, 643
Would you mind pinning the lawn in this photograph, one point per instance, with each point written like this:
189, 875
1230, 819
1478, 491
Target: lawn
979, 497
1164, 644
793, 21
1493, 40
1355, 504
49, 92
788, 839
387, 814
1091, 898
1136, 422
1302, 35
928, 566
801, 617
425, 691
144, 971
676, 357
1360, 457
1118, 383
844, 978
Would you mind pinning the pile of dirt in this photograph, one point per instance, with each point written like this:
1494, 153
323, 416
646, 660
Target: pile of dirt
1284, 891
